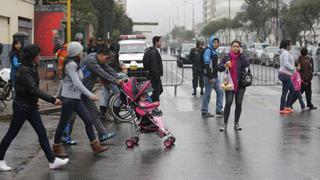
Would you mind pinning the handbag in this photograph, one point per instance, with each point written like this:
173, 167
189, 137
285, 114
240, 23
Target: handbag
227, 83
245, 78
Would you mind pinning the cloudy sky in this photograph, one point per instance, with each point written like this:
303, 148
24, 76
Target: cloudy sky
166, 12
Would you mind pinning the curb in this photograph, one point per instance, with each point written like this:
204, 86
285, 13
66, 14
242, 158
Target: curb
47, 111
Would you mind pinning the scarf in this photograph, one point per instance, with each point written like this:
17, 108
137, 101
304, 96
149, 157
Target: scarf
233, 70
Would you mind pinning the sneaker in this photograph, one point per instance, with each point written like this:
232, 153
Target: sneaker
284, 112
237, 127
58, 162
106, 136
157, 112
304, 109
289, 109
69, 141
206, 115
223, 127
219, 114
4, 166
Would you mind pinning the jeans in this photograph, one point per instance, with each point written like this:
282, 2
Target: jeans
297, 95
229, 100
21, 113
207, 94
197, 79
105, 94
287, 91
68, 107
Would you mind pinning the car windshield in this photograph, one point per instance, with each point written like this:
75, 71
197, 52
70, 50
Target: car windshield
261, 46
132, 48
187, 47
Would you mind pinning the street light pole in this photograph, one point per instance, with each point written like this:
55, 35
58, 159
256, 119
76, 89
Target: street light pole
229, 22
68, 21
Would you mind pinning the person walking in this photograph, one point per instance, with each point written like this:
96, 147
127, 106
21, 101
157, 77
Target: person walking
71, 91
152, 62
296, 81
197, 69
211, 80
25, 107
286, 70
236, 62
306, 72
15, 59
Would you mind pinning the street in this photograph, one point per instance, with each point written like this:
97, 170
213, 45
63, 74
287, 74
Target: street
269, 147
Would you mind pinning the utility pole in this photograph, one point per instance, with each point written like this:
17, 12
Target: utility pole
277, 22
229, 22
68, 21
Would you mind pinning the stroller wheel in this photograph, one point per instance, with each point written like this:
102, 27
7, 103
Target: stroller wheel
161, 134
135, 140
167, 143
129, 143
173, 139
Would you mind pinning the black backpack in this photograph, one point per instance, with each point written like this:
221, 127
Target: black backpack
146, 58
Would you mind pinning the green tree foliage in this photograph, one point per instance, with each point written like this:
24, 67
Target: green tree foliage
215, 26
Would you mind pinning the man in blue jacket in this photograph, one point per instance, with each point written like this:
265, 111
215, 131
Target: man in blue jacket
211, 80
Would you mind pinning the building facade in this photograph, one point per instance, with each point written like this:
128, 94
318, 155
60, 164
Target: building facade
208, 11
16, 16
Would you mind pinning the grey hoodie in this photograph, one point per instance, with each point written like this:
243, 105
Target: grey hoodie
71, 85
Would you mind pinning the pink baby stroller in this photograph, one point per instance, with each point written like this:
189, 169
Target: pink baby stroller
136, 96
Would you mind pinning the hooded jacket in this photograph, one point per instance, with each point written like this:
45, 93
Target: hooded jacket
210, 58
92, 70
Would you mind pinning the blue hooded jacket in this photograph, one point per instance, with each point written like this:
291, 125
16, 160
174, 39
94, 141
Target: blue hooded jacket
210, 58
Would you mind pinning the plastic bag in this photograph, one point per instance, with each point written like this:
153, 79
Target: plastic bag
227, 83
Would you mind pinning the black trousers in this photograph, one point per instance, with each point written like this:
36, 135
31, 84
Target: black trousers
229, 100
68, 107
307, 88
21, 113
157, 88
197, 79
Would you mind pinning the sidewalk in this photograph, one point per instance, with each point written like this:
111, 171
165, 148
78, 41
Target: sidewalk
49, 86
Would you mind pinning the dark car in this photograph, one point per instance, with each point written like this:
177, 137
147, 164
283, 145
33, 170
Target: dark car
184, 53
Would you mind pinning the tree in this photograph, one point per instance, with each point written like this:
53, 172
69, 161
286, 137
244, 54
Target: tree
214, 26
258, 14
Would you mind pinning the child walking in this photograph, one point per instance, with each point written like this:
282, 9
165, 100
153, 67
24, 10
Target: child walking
296, 81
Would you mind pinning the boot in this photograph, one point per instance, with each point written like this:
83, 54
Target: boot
201, 92
58, 151
97, 147
194, 92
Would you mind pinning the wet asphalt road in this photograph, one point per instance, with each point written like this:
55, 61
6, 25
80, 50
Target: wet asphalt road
270, 146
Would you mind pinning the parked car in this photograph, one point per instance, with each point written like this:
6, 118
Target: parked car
184, 53
222, 50
268, 55
295, 52
255, 51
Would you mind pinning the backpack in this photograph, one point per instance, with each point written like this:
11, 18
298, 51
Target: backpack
202, 59
147, 58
